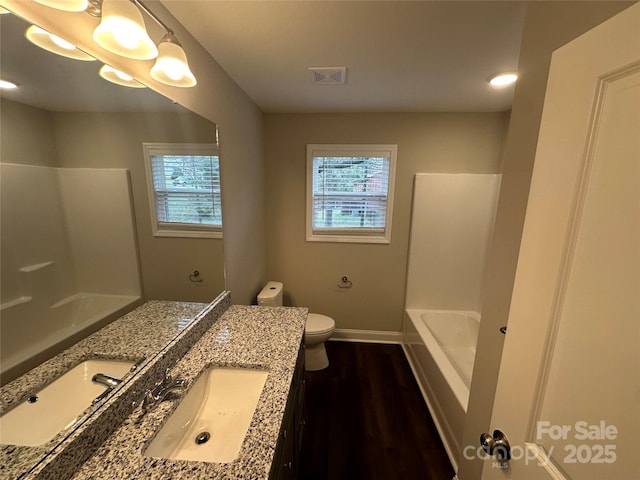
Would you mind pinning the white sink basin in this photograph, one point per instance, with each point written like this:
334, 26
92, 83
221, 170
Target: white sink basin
57, 406
217, 411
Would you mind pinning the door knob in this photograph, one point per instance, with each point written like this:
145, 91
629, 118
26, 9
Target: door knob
496, 444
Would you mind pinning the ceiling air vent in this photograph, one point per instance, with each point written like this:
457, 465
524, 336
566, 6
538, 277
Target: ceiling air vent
328, 75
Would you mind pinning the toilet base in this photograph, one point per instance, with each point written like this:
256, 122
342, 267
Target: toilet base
315, 357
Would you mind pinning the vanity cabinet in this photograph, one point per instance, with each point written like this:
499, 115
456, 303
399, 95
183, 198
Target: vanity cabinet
286, 459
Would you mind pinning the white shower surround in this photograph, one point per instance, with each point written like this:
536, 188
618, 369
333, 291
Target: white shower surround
451, 230
69, 257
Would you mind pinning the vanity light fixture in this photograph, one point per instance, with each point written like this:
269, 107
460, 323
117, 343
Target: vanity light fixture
171, 67
120, 78
122, 31
55, 44
503, 79
66, 5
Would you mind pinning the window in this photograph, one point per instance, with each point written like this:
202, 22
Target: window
350, 192
184, 189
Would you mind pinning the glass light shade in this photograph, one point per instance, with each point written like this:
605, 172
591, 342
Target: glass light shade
122, 31
171, 67
503, 79
55, 44
120, 78
66, 5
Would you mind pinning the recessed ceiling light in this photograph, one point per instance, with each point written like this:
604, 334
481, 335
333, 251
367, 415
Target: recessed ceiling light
6, 85
503, 79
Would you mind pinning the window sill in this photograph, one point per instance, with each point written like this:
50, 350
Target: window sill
188, 233
349, 239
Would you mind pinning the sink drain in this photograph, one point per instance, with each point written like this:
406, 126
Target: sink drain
32, 399
202, 438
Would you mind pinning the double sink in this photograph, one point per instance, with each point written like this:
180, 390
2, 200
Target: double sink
209, 424
226, 423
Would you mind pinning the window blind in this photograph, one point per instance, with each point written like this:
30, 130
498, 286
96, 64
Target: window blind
187, 189
350, 193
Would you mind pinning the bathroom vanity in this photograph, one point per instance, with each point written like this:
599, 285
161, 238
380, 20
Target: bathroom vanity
286, 459
113, 442
135, 337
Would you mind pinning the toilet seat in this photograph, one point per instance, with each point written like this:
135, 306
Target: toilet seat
318, 324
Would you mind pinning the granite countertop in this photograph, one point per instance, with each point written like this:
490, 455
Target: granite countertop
142, 332
258, 337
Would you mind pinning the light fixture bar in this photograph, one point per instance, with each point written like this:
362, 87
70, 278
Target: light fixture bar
152, 15
94, 8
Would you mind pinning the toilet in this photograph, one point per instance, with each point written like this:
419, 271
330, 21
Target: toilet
317, 330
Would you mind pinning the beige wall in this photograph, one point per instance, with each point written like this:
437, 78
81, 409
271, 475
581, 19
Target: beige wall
27, 135
548, 26
430, 142
114, 140
216, 97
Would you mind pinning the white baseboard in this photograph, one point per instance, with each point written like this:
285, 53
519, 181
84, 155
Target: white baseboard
366, 336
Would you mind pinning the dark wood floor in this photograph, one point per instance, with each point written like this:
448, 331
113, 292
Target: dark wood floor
366, 419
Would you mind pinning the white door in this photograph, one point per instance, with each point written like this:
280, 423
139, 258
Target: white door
568, 396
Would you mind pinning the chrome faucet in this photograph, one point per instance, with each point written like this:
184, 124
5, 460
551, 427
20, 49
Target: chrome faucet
159, 393
106, 380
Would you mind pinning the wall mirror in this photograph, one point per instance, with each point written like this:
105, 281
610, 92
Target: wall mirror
74, 186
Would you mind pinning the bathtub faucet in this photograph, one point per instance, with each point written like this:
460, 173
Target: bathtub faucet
160, 392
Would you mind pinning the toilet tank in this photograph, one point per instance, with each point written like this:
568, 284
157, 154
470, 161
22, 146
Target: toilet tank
271, 295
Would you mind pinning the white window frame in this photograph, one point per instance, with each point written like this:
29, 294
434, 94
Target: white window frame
165, 229
351, 235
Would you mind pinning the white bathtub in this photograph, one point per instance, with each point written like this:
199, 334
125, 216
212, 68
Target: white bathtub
33, 331
457, 335
440, 346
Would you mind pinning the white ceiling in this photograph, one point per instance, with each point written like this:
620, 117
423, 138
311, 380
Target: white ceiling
402, 56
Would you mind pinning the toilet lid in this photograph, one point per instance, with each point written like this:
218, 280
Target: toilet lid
317, 323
